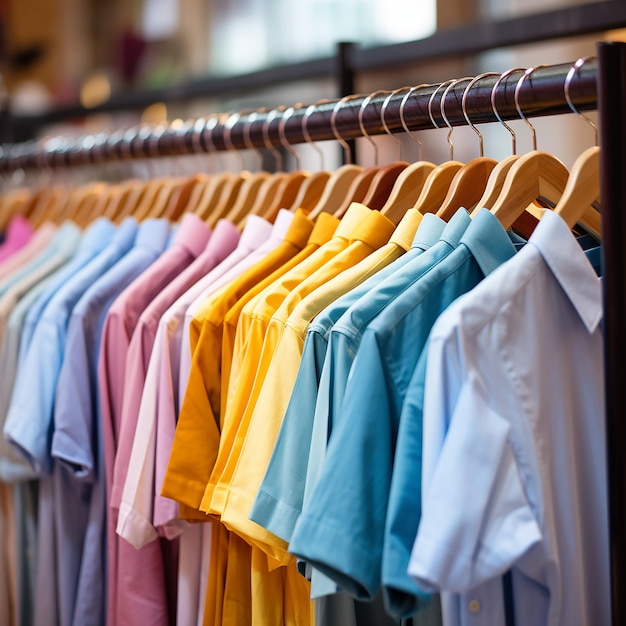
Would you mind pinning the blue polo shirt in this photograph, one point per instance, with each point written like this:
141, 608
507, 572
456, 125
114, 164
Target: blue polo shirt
352, 491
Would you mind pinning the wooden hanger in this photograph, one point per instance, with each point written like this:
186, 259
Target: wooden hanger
336, 189
246, 196
310, 191
214, 189
179, 201
436, 187
197, 191
406, 190
286, 193
467, 187
227, 197
13, 202
382, 184
358, 190
495, 183
125, 204
267, 194
142, 205
581, 192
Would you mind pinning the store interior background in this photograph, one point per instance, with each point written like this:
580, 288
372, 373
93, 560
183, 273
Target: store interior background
56, 53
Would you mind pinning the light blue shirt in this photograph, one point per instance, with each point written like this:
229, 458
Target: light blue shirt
514, 458
78, 475
279, 500
28, 424
352, 489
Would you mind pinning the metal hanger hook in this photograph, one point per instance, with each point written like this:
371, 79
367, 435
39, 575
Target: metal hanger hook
494, 91
518, 87
568, 80
403, 121
283, 138
364, 104
305, 130
347, 157
278, 157
442, 106
382, 118
481, 143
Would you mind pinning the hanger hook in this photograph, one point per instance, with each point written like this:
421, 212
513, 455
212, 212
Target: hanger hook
518, 87
442, 106
568, 80
230, 123
278, 157
283, 138
403, 121
481, 143
494, 92
347, 157
305, 130
382, 117
364, 104
252, 116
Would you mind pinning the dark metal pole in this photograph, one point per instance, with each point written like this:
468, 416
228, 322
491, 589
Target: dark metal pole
612, 110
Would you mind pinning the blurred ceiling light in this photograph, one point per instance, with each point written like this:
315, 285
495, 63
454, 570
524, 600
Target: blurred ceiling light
155, 113
95, 90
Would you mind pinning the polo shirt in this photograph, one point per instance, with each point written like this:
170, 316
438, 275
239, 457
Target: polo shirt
28, 424
136, 521
17, 235
77, 446
269, 409
510, 403
279, 499
359, 456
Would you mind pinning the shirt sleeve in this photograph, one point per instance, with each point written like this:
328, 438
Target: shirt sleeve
340, 531
476, 519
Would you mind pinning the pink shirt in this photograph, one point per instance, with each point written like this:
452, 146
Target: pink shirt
125, 563
17, 236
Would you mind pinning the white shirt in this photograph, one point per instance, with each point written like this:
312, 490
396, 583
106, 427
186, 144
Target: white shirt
514, 443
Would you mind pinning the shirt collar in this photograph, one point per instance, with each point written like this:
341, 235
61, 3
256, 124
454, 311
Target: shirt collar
255, 232
567, 261
98, 234
405, 231
153, 235
325, 227
192, 234
125, 233
488, 242
224, 238
429, 231
373, 228
355, 214
299, 230
456, 227
281, 225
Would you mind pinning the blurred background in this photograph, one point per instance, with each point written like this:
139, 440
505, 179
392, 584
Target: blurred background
64, 53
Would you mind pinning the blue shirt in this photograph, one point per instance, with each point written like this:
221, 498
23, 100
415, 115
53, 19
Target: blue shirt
279, 499
28, 424
78, 476
352, 490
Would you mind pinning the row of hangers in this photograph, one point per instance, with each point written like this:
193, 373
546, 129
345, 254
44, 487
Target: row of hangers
516, 189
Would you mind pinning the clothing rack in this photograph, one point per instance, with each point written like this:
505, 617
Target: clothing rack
541, 94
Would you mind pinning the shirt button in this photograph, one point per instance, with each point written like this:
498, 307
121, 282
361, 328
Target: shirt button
474, 606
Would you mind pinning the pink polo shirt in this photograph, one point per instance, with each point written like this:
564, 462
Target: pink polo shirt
40, 239
117, 379
18, 234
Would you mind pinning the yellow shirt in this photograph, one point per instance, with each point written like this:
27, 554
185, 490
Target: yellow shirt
197, 430
270, 402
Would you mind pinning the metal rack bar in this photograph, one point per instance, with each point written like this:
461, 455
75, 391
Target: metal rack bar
542, 93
